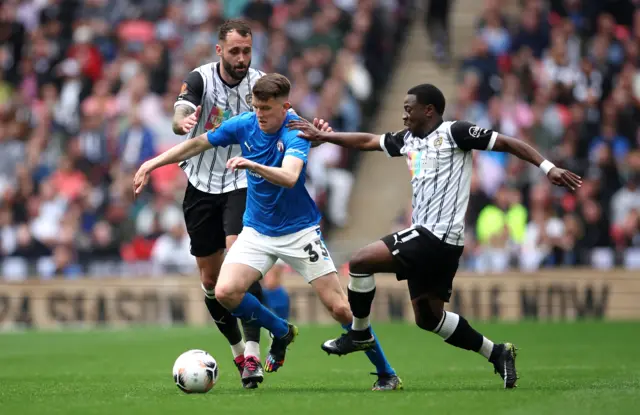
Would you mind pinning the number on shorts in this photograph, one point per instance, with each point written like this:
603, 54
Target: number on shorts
314, 256
401, 238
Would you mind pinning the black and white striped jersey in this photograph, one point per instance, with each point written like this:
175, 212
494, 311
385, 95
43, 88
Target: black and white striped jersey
204, 86
440, 165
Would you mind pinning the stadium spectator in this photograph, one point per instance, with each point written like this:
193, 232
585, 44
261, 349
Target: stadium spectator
86, 95
569, 83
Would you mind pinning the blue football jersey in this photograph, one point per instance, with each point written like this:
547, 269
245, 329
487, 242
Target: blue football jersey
271, 210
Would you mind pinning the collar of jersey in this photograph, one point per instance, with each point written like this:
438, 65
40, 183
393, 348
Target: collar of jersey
217, 72
432, 130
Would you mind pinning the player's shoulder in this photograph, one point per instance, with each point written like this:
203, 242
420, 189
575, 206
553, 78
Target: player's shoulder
465, 128
199, 72
245, 118
203, 68
288, 133
254, 74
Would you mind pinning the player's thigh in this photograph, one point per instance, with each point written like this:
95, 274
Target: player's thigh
203, 218
253, 250
273, 278
232, 214
306, 252
373, 258
393, 253
434, 277
236, 278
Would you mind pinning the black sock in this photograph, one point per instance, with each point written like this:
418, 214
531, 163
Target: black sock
361, 292
360, 303
456, 331
465, 337
251, 330
227, 324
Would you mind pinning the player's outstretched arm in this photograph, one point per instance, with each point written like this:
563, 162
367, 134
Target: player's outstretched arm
360, 141
522, 150
285, 176
469, 136
176, 154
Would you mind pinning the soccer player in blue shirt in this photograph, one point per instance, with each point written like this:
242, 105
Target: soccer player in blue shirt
280, 221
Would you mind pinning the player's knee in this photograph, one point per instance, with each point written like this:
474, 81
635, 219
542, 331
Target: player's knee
208, 286
227, 295
426, 319
208, 277
359, 263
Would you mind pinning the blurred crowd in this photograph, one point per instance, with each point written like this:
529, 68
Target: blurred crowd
86, 95
563, 76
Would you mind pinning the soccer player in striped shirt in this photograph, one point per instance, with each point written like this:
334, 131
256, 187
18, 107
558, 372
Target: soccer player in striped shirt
427, 253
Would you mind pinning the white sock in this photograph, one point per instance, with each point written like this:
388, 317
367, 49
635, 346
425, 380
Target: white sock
448, 324
238, 349
252, 349
360, 323
487, 348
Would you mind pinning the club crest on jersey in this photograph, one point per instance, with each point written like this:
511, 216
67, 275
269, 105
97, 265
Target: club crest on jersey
183, 89
249, 99
216, 117
475, 131
280, 146
437, 142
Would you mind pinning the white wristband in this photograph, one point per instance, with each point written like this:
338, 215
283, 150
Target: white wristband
546, 166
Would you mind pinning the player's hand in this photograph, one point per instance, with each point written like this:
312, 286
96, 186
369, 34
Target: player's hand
239, 163
564, 178
323, 126
189, 122
141, 179
307, 130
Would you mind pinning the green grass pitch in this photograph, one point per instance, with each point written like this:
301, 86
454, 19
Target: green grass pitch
565, 368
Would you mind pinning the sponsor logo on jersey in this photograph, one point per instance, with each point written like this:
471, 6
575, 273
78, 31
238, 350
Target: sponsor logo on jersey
476, 131
216, 117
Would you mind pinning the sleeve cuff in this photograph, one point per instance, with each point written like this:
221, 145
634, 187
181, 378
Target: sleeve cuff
382, 145
492, 141
187, 103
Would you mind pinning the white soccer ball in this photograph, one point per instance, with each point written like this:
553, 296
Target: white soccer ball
195, 371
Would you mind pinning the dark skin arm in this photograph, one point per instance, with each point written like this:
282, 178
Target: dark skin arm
522, 150
360, 141
371, 142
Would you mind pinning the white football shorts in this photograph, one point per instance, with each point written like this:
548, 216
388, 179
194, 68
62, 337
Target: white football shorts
304, 251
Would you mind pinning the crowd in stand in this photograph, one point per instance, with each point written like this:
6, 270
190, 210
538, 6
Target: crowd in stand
565, 77
86, 95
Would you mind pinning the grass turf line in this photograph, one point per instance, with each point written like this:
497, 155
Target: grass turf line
566, 368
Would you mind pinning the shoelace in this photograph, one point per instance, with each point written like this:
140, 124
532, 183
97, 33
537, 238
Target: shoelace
251, 364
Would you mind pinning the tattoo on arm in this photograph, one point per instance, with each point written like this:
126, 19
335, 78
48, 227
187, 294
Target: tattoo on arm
180, 113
